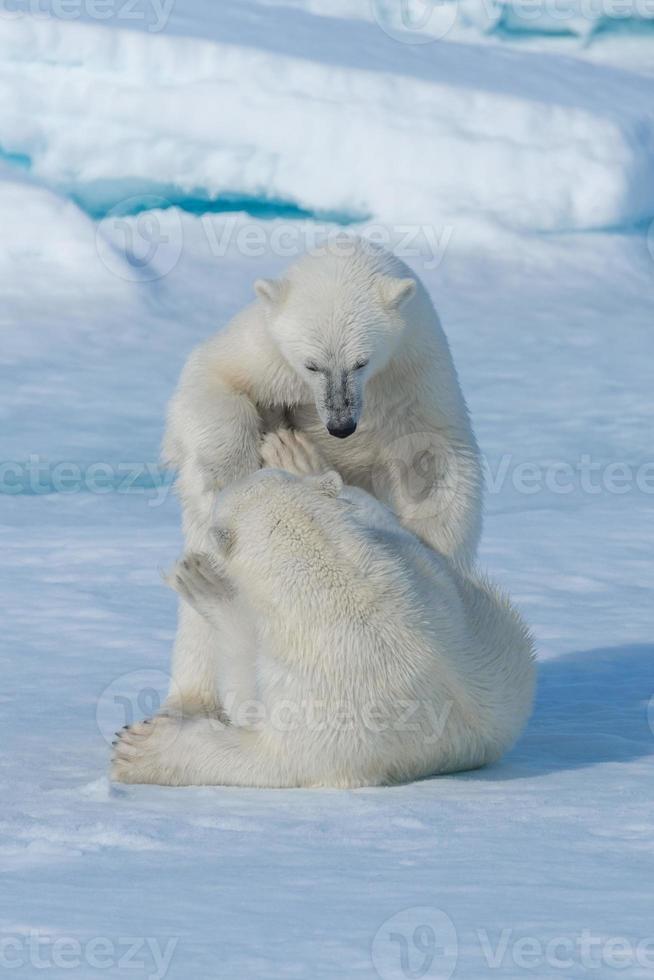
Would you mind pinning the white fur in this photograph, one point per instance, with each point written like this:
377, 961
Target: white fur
375, 659
350, 304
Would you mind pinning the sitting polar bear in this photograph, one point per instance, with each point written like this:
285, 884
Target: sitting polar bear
376, 659
347, 348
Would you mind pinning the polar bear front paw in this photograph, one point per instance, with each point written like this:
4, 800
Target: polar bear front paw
287, 449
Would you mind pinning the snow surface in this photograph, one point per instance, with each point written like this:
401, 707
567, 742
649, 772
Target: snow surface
552, 334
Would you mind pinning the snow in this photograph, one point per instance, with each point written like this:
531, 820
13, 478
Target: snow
535, 866
569, 147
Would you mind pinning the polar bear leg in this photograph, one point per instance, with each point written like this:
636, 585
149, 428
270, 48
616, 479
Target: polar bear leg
194, 685
202, 586
195, 752
213, 661
202, 752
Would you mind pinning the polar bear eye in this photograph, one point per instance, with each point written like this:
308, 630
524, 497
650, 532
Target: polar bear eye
310, 366
359, 366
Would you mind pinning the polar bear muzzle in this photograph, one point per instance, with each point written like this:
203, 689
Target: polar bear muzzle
342, 394
341, 430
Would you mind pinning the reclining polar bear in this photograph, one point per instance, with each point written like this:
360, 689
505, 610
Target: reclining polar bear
347, 348
375, 659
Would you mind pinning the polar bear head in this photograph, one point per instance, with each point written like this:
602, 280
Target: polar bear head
336, 319
270, 527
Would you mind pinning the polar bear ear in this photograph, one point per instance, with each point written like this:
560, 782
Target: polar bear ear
396, 292
271, 292
330, 483
223, 540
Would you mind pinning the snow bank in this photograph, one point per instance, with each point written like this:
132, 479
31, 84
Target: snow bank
344, 120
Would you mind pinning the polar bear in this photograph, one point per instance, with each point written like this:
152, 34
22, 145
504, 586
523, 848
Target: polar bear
376, 659
347, 348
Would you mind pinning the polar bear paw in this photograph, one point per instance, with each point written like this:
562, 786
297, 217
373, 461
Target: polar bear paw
141, 751
287, 449
199, 582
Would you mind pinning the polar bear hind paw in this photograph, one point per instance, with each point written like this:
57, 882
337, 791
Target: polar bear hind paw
140, 750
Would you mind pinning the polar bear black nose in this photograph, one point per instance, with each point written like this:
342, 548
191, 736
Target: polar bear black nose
341, 431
